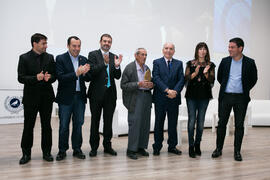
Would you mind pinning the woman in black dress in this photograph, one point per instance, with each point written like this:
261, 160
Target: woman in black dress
200, 77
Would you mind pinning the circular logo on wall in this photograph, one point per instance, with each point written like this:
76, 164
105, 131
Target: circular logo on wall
13, 104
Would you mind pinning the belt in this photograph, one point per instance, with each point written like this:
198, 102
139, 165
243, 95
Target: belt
144, 90
234, 94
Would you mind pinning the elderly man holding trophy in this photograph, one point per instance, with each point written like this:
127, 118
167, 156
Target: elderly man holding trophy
137, 98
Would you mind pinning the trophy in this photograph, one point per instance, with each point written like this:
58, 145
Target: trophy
147, 75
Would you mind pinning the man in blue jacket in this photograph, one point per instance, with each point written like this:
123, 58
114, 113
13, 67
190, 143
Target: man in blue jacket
71, 72
168, 79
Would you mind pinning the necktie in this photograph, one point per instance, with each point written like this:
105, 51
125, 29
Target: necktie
108, 72
169, 65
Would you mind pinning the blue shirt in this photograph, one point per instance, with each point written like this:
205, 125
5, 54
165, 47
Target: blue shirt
75, 62
234, 84
141, 72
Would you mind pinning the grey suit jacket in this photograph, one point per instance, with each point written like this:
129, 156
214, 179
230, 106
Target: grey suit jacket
129, 86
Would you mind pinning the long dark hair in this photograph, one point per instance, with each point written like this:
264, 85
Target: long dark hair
199, 46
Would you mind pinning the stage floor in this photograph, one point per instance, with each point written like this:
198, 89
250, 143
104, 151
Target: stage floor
255, 164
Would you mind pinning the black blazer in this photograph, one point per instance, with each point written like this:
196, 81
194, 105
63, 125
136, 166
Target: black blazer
99, 75
67, 78
28, 68
249, 75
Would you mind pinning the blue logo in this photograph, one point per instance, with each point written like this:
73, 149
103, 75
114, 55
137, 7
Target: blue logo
13, 104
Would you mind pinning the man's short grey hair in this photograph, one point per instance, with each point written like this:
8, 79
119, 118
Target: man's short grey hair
138, 50
169, 43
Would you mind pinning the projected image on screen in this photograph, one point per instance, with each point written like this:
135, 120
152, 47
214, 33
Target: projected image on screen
232, 18
132, 24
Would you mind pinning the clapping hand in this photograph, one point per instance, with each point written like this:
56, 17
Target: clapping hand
79, 71
86, 68
206, 69
106, 58
47, 76
197, 69
118, 61
40, 76
82, 69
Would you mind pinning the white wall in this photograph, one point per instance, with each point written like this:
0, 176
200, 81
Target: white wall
137, 23
259, 46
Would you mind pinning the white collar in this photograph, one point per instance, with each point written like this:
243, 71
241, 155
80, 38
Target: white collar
139, 67
167, 59
103, 52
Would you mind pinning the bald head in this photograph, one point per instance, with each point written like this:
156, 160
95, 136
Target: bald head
168, 50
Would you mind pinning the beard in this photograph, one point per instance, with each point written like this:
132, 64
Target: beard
105, 48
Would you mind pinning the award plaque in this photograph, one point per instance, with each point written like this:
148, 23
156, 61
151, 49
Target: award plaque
147, 75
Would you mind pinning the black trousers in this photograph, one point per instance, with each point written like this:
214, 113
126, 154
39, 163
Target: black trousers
171, 108
44, 107
107, 105
239, 105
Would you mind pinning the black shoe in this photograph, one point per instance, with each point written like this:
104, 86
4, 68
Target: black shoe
156, 152
191, 152
48, 157
216, 153
237, 156
60, 156
25, 159
93, 153
174, 151
142, 152
110, 151
198, 149
78, 154
132, 155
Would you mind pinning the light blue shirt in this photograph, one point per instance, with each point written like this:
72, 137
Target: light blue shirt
141, 72
75, 62
234, 84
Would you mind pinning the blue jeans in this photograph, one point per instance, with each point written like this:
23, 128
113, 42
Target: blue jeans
76, 109
196, 114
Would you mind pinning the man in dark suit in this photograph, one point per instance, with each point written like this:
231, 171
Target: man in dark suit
237, 74
36, 70
71, 69
168, 79
105, 67
137, 98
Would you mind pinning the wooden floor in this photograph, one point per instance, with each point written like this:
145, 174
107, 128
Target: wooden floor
255, 164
